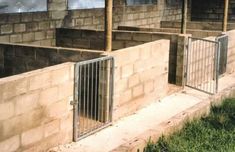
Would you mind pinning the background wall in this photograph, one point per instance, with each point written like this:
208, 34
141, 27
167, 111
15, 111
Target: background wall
16, 59
39, 27
211, 10
94, 39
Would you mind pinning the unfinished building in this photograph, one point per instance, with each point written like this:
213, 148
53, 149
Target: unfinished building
59, 85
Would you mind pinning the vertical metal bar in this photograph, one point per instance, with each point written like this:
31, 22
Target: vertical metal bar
111, 89
84, 100
217, 68
80, 99
197, 63
187, 73
194, 64
75, 105
92, 95
102, 91
96, 92
88, 97
98, 103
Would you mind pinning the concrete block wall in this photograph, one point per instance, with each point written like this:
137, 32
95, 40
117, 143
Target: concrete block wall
141, 76
94, 39
39, 27
231, 51
172, 29
197, 25
35, 110
211, 10
23, 58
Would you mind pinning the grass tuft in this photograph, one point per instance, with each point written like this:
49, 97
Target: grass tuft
214, 133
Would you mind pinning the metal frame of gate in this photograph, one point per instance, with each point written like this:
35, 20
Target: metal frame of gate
202, 65
223, 40
93, 102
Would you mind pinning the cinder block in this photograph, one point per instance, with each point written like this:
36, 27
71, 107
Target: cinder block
143, 37
51, 128
148, 87
133, 80
6, 29
10, 144
123, 35
15, 87
32, 136
26, 102
58, 15
127, 70
16, 38
40, 81
138, 91
139, 66
48, 96
60, 76
5, 38
66, 122
66, 90
27, 37
7, 110
120, 85
58, 109
125, 97
40, 35
19, 28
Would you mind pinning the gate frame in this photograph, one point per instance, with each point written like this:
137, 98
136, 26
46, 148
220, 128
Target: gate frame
223, 35
75, 102
216, 64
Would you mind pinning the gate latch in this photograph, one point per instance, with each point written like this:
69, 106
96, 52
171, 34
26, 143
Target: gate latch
73, 102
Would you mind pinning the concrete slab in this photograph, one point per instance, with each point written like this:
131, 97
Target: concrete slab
144, 120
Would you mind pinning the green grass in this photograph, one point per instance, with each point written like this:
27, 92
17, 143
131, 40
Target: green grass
214, 133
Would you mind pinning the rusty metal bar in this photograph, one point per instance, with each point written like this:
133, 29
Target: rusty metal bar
108, 24
225, 21
184, 16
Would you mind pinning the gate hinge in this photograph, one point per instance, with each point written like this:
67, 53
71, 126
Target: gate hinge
185, 75
73, 102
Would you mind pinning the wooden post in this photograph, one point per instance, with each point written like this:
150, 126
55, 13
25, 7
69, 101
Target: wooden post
225, 22
108, 24
184, 16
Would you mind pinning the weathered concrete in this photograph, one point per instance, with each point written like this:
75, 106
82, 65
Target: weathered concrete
39, 27
133, 132
35, 110
172, 29
19, 58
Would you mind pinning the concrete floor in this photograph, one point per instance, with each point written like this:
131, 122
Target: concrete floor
148, 118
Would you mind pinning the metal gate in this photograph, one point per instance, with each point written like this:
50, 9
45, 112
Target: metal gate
93, 96
202, 65
223, 40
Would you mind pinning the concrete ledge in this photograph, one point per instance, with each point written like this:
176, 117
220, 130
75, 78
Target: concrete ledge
176, 122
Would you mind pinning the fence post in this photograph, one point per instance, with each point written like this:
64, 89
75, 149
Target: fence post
108, 24
184, 16
225, 22
181, 58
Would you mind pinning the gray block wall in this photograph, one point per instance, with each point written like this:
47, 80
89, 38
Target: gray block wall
39, 27
211, 10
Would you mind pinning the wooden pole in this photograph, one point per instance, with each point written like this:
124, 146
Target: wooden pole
184, 16
108, 24
225, 22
